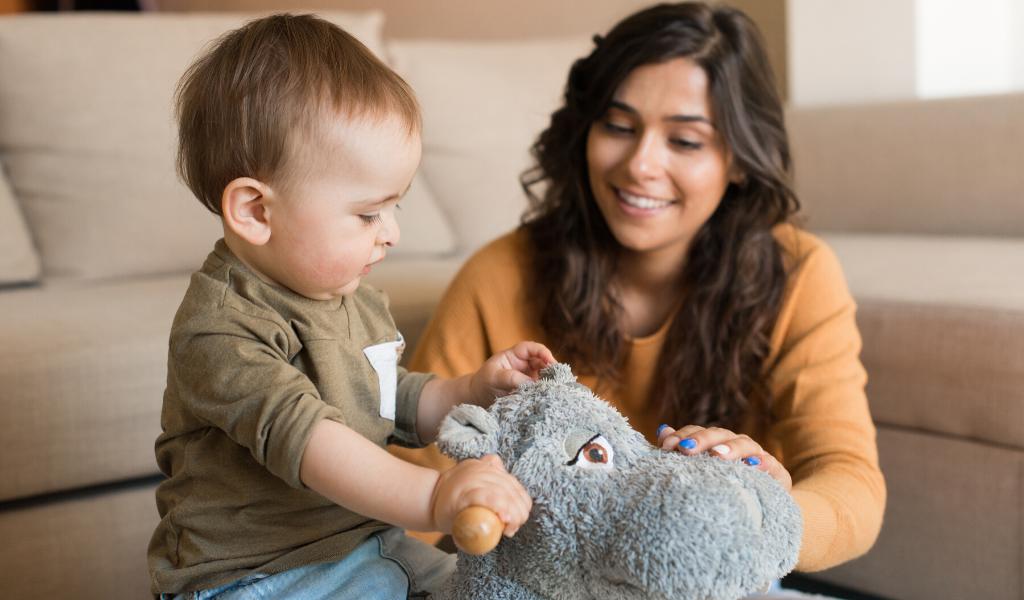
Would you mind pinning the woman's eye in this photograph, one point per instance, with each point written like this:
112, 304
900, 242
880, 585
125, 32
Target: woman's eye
595, 454
613, 128
686, 144
373, 219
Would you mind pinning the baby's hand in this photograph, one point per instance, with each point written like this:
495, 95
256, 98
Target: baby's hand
694, 439
482, 482
507, 370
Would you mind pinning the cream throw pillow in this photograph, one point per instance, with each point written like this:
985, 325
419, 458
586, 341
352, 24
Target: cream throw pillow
19, 262
484, 103
87, 133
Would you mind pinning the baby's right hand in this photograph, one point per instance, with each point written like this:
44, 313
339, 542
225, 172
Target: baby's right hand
482, 482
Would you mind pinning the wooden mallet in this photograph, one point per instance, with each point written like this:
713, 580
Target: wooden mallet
477, 530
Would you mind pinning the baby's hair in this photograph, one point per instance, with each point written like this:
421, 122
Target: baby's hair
243, 105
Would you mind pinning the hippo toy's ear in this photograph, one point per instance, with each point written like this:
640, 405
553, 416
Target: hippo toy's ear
468, 432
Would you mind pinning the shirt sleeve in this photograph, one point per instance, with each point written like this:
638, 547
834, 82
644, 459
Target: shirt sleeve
232, 371
822, 419
407, 403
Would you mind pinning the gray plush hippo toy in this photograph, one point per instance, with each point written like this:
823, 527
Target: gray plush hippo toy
614, 517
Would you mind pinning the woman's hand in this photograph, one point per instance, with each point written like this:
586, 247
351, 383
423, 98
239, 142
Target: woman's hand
694, 439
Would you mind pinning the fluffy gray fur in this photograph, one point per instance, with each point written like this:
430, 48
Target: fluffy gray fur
647, 524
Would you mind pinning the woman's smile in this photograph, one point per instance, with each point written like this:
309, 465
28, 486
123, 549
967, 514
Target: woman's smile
641, 205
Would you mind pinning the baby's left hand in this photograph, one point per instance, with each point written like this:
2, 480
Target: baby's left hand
694, 439
507, 370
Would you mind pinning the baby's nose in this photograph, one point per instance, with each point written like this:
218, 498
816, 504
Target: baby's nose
389, 234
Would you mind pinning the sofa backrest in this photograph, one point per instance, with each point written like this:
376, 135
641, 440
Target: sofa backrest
484, 103
951, 166
87, 138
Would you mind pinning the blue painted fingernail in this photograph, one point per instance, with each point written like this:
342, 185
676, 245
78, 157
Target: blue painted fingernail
688, 443
660, 428
753, 461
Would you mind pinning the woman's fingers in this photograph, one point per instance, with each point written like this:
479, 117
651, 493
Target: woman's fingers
693, 439
767, 463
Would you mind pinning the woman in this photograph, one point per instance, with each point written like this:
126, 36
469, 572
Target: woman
660, 262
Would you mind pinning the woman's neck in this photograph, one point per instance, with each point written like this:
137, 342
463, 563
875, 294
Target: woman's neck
648, 289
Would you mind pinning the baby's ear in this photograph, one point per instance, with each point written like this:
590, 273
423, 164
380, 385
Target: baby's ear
468, 432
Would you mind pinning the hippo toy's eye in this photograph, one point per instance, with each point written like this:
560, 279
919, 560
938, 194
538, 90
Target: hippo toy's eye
595, 454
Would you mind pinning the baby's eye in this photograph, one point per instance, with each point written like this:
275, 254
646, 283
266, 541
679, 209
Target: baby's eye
595, 454
373, 219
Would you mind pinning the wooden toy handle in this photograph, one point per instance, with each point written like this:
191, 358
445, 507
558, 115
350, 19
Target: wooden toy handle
477, 530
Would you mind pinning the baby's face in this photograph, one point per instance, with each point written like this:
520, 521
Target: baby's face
336, 216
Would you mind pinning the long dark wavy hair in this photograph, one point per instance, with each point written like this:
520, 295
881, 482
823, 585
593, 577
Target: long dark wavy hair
710, 368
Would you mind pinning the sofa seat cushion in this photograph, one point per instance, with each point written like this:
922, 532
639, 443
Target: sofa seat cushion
953, 522
942, 319
83, 370
94, 544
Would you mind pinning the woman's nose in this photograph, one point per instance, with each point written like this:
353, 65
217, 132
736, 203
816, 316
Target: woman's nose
645, 162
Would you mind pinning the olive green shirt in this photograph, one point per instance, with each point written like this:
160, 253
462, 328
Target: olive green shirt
251, 369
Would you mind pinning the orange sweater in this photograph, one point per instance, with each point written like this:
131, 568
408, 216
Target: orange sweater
822, 433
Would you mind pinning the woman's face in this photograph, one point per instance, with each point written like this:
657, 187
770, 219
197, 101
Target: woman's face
658, 165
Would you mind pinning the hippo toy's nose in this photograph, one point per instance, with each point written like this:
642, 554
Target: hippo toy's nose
753, 506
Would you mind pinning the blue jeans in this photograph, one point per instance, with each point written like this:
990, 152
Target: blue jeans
777, 592
388, 566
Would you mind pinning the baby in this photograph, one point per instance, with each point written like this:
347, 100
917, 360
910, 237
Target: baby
283, 387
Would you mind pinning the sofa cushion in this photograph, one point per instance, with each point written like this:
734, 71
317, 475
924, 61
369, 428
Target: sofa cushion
484, 103
94, 544
19, 262
953, 522
88, 138
942, 319
948, 166
83, 370
424, 226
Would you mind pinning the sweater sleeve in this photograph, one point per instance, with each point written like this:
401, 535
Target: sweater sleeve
232, 371
822, 420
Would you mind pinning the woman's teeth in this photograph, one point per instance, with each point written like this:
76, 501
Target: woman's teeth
642, 201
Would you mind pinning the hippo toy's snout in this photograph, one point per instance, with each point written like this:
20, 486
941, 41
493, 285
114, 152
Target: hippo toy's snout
672, 524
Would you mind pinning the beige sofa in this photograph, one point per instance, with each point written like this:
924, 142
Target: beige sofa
923, 202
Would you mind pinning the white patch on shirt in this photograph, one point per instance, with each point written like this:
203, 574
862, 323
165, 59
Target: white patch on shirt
384, 360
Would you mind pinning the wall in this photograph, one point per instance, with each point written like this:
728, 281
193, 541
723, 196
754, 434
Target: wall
850, 51
491, 19
843, 51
